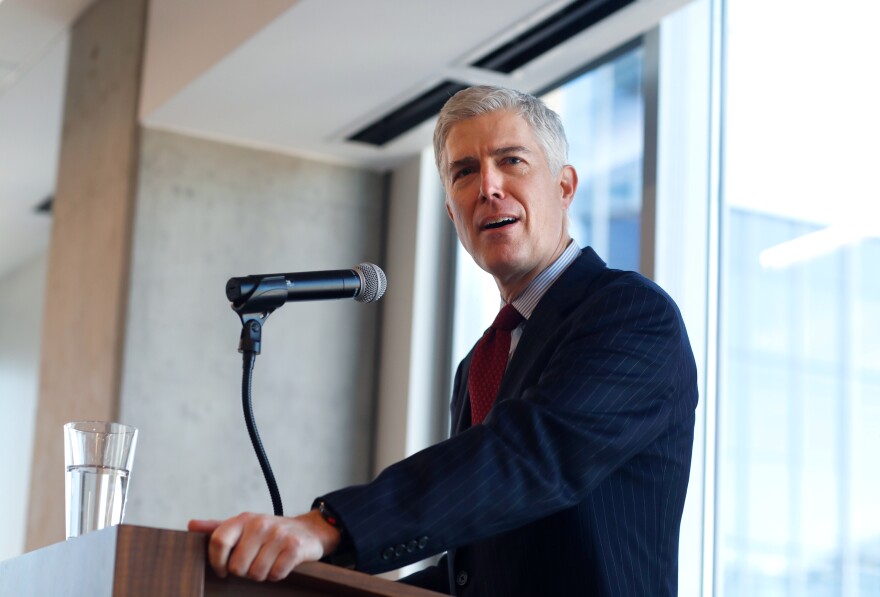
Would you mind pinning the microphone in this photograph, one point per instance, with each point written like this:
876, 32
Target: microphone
263, 293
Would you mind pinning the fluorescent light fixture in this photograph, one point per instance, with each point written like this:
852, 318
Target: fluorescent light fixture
813, 245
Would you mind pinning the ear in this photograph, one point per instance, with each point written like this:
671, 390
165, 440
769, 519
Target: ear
568, 182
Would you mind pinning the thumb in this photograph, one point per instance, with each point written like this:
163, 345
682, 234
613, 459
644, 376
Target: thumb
202, 526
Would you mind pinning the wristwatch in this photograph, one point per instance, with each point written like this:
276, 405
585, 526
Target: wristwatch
328, 516
344, 555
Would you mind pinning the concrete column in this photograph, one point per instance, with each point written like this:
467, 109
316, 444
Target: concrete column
89, 255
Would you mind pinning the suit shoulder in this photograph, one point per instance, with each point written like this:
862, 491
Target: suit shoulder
615, 282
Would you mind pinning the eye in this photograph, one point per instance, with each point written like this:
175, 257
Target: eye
462, 172
513, 160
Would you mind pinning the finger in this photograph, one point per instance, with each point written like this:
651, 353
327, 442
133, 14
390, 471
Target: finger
265, 559
202, 526
223, 540
284, 564
254, 534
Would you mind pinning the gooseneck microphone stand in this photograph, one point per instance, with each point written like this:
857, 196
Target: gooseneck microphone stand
253, 310
254, 298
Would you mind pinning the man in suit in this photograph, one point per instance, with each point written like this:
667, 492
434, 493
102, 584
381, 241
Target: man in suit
567, 474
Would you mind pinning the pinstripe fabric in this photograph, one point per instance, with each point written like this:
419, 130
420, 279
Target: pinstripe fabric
575, 482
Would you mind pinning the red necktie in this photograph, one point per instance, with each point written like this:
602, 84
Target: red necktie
489, 362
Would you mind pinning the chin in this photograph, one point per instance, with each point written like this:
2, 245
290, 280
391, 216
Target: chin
501, 267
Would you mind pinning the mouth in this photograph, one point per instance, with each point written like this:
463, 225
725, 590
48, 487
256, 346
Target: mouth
500, 222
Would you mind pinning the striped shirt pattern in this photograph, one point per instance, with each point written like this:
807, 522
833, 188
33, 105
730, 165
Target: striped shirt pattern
526, 302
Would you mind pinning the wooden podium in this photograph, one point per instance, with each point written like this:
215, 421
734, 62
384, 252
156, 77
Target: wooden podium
133, 561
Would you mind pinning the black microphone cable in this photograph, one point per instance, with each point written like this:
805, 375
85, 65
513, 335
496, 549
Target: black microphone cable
248, 359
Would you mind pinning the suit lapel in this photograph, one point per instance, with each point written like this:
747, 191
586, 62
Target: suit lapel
567, 292
461, 399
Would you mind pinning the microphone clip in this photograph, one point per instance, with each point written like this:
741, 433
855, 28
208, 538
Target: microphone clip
253, 308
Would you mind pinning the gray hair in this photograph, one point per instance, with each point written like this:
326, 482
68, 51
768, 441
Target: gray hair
483, 99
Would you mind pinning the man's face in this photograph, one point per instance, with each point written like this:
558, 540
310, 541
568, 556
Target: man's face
507, 207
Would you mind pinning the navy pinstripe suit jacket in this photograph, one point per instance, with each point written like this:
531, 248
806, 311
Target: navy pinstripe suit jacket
575, 482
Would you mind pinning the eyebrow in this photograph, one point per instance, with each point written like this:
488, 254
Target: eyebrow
501, 151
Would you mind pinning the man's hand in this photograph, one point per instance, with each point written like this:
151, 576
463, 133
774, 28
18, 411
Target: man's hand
260, 546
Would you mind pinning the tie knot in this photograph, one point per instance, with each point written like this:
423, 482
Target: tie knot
507, 319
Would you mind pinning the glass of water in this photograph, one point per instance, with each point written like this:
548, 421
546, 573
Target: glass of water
97, 458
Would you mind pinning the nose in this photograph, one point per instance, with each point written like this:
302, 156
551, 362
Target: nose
491, 182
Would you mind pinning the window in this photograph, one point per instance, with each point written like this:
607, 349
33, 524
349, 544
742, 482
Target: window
768, 238
799, 392
602, 111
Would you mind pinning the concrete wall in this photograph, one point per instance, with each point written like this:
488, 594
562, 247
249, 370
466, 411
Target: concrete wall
21, 314
205, 212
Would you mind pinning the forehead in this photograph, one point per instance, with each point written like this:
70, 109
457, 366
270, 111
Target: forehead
469, 138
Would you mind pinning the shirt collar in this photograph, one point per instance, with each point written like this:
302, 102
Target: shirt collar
526, 302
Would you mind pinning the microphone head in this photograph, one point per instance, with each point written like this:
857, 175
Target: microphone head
373, 282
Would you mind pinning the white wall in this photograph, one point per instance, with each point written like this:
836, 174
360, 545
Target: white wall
21, 314
413, 391
208, 211
172, 60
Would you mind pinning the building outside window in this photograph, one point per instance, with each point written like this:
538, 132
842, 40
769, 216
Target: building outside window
799, 398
